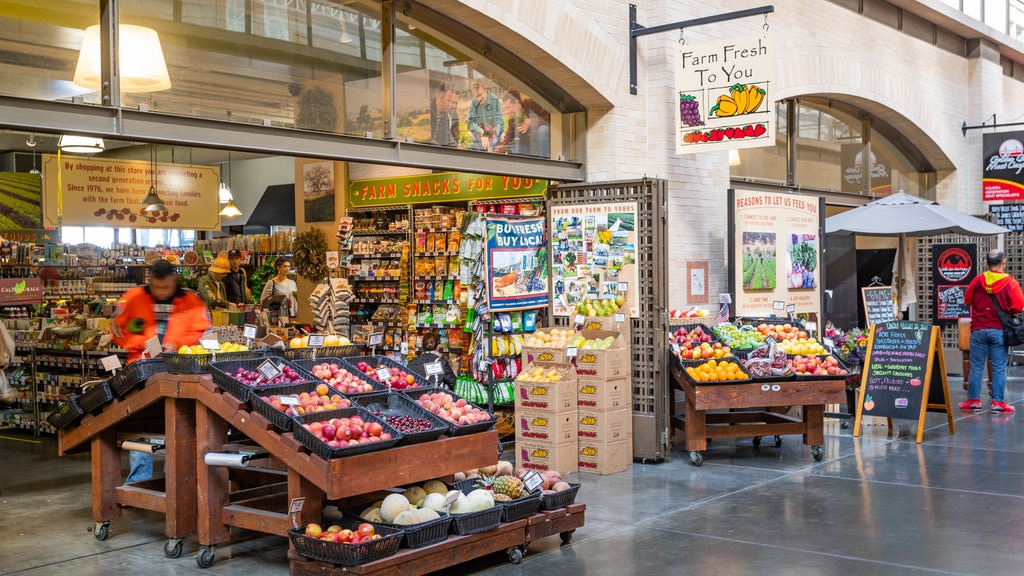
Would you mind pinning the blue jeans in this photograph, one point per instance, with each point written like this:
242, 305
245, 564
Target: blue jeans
986, 344
141, 467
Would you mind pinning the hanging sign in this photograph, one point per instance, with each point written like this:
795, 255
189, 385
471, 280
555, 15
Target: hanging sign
1003, 169
107, 192
517, 263
726, 94
953, 268
441, 187
16, 291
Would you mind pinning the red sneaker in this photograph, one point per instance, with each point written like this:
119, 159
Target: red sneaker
999, 406
970, 404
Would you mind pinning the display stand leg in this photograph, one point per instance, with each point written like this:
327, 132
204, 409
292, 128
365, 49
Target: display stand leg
106, 476
814, 421
180, 488
313, 508
696, 427
212, 481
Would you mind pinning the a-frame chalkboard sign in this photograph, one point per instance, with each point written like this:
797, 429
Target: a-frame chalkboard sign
904, 375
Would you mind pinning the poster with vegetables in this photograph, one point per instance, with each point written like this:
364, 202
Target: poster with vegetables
775, 251
593, 249
517, 263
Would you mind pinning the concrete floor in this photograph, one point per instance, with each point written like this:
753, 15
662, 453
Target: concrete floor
880, 504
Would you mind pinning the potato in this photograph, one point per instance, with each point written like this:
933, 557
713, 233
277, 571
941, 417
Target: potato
459, 476
505, 468
560, 486
489, 470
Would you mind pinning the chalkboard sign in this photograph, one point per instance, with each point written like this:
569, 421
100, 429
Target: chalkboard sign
1009, 215
950, 302
904, 374
878, 304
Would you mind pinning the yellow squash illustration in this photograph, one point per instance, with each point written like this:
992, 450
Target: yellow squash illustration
740, 100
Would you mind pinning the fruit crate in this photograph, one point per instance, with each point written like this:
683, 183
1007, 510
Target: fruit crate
814, 377
135, 374
223, 372
200, 363
520, 508
276, 417
424, 533
98, 394
401, 404
379, 390
378, 360
559, 499
348, 554
321, 352
476, 522
689, 378
320, 448
66, 414
455, 429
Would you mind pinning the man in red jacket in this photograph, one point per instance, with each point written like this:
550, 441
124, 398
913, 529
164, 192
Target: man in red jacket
163, 309
987, 330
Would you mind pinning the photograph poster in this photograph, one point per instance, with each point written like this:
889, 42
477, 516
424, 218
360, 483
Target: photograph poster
517, 263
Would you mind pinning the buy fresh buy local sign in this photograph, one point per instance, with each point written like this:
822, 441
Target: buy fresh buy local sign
442, 187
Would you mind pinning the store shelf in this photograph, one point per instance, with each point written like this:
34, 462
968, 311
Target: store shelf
443, 253
375, 301
368, 279
452, 301
438, 230
440, 326
437, 277
380, 232
381, 255
375, 324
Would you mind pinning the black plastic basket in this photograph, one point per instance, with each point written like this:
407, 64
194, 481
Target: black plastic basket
65, 414
476, 522
378, 360
320, 448
348, 554
276, 417
95, 397
465, 486
520, 508
815, 377
424, 533
378, 388
316, 353
135, 374
559, 499
403, 404
755, 320
454, 429
223, 372
200, 363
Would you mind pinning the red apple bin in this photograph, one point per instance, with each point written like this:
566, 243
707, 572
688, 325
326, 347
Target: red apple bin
454, 429
344, 553
279, 419
375, 361
396, 404
379, 390
320, 448
812, 377
223, 375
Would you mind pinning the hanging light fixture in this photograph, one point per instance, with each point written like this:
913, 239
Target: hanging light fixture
80, 144
229, 210
152, 201
225, 190
141, 60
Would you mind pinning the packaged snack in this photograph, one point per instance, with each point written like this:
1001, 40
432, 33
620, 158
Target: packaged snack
454, 238
420, 289
449, 292
441, 265
421, 241
425, 316
439, 311
440, 242
429, 247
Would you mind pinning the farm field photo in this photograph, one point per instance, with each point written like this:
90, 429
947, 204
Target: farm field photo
20, 201
759, 261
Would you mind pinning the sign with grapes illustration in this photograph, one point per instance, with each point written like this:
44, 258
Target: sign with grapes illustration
84, 191
725, 99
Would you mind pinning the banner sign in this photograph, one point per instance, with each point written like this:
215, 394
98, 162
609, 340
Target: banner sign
517, 263
725, 94
31, 236
593, 249
953, 268
776, 252
441, 187
85, 191
17, 291
1003, 172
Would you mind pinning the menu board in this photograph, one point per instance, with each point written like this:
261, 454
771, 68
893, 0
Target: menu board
953, 268
904, 374
878, 305
951, 305
1009, 215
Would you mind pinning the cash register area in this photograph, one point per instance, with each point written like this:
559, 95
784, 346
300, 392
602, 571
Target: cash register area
877, 504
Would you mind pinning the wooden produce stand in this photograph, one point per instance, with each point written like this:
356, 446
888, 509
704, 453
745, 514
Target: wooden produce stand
739, 410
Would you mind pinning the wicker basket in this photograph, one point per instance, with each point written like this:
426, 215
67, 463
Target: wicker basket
95, 397
375, 361
424, 533
728, 359
200, 363
316, 353
279, 419
66, 414
688, 321
320, 448
454, 429
223, 375
135, 374
476, 522
520, 508
348, 554
402, 404
559, 499
378, 388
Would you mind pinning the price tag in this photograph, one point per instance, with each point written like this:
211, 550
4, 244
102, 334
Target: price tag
268, 369
249, 331
811, 326
725, 298
153, 347
675, 349
315, 340
403, 348
572, 352
579, 319
296, 505
288, 400
383, 374
210, 343
451, 498
778, 305
619, 317
272, 340
829, 342
791, 308
376, 339
110, 363
434, 368
622, 287
532, 480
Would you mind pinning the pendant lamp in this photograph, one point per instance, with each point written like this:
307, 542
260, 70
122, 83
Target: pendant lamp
140, 57
229, 210
80, 144
152, 201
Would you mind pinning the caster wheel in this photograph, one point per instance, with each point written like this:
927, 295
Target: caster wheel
101, 530
843, 425
756, 441
778, 441
205, 557
566, 536
515, 555
173, 547
696, 458
817, 453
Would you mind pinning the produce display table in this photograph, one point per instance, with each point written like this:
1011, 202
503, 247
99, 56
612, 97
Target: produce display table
741, 411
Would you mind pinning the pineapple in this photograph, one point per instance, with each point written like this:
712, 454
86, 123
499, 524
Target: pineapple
511, 486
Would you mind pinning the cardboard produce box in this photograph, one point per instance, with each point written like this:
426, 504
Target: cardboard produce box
557, 428
605, 427
612, 362
539, 455
606, 324
540, 354
599, 395
601, 458
546, 396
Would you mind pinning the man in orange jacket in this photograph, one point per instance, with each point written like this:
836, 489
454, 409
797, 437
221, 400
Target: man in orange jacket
162, 309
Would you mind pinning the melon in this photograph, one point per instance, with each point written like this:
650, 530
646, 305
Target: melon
415, 495
407, 518
461, 505
480, 499
434, 501
371, 514
426, 515
435, 486
394, 505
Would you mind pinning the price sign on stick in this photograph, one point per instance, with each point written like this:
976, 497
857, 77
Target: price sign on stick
315, 340
791, 309
579, 319
110, 363
433, 368
619, 317
272, 340
384, 374
268, 369
153, 347
375, 339
294, 508
532, 480
210, 343
571, 352
725, 298
249, 331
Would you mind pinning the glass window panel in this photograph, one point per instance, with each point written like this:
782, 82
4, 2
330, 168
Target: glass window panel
1016, 26
972, 8
764, 163
826, 148
893, 171
995, 14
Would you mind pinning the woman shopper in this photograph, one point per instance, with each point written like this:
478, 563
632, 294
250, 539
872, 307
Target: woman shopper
279, 292
430, 355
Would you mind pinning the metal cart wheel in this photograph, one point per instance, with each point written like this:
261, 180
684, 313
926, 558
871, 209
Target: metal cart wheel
844, 424
101, 530
173, 547
778, 441
756, 440
515, 555
696, 458
566, 536
205, 557
817, 452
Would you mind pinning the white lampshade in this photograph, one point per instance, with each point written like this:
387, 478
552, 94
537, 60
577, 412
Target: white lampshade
142, 65
72, 144
734, 157
225, 194
230, 211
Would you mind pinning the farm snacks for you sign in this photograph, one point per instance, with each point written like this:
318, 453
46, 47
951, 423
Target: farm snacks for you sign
594, 255
776, 252
83, 191
725, 94
517, 263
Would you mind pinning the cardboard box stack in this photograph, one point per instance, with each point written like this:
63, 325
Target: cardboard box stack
605, 403
546, 417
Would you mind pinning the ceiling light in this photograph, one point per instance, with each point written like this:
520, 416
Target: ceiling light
152, 202
140, 58
80, 144
225, 194
230, 210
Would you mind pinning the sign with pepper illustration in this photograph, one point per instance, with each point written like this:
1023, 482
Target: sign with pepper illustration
725, 94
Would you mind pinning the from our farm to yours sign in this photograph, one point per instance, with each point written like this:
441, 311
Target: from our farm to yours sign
83, 191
